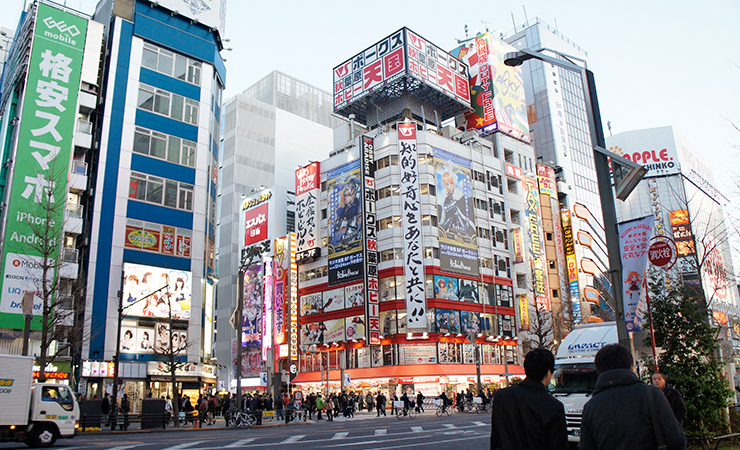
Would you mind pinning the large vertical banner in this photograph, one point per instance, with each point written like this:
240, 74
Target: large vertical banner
307, 190
252, 316
370, 247
41, 163
536, 249
458, 238
293, 300
634, 239
267, 312
408, 158
569, 249
345, 223
682, 234
282, 290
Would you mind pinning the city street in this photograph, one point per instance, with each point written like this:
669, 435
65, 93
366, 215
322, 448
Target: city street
365, 431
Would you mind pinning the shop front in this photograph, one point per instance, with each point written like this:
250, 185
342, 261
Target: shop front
97, 379
191, 380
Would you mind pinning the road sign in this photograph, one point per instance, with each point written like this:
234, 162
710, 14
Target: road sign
662, 253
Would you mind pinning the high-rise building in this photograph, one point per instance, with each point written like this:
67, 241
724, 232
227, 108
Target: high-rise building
49, 95
270, 128
6, 39
559, 127
153, 221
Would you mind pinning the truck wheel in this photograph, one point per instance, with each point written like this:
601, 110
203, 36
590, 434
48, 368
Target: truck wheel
43, 436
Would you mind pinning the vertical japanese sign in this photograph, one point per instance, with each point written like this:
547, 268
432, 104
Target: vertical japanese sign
523, 312
370, 247
634, 238
682, 232
307, 189
569, 249
267, 312
282, 290
293, 300
536, 249
496, 90
516, 236
255, 225
416, 303
345, 223
41, 165
458, 238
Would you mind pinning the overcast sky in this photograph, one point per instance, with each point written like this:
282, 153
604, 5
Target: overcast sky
656, 63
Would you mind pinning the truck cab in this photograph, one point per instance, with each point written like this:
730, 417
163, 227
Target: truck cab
575, 375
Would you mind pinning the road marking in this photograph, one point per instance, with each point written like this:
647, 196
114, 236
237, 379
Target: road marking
124, 447
449, 425
293, 439
344, 444
185, 445
381, 432
417, 429
478, 423
240, 443
458, 439
341, 435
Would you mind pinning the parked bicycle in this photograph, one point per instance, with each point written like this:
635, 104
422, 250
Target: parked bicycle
240, 419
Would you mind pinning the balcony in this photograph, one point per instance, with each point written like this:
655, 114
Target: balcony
83, 136
78, 176
69, 267
73, 219
88, 102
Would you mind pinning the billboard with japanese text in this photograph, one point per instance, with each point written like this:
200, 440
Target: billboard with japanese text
634, 238
41, 162
255, 224
536, 248
496, 90
357, 297
307, 211
458, 238
345, 223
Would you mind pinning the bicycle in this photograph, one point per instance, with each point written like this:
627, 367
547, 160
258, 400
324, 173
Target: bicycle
239, 419
442, 408
402, 412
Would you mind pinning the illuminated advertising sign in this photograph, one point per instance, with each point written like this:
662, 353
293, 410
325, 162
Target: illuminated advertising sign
255, 225
354, 294
496, 90
458, 238
682, 234
655, 149
150, 291
546, 180
536, 247
45, 137
253, 308
267, 312
345, 224
408, 165
523, 312
570, 262
401, 54
293, 300
282, 289
307, 211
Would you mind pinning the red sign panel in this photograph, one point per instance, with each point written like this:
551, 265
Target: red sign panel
255, 225
513, 171
660, 253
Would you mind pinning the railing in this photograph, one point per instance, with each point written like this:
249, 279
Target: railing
84, 126
74, 211
70, 255
79, 167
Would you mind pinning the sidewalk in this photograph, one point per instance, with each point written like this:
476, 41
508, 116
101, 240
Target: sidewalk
220, 425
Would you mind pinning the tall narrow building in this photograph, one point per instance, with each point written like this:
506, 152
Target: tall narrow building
153, 222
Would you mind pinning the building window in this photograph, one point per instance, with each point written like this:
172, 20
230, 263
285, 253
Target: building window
428, 189
172, 64
161, 191
165, 147
323, 217
548, 236
555, 293
514, 216
484, 233
521, 280
431, 252
428, 220
389, 222
168, 104
388, 191
511, 186
552, 264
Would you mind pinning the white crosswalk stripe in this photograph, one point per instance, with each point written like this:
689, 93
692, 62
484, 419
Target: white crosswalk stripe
125, 447
381, 432
449, 425
293, 439
478, 423
185, 445
240, 443
341, 435
417, 429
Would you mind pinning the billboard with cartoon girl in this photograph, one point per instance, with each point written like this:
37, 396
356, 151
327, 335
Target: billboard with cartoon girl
345, 223
150, 291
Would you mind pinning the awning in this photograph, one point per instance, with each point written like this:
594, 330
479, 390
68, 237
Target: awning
427, 370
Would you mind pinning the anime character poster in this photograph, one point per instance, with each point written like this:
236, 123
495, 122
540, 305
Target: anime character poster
448, 321
445, 288
313, 333
634, 239
253, 306
458, 239
355, 327
468, 291
150, 291
312, 304
354, 296
470, 322
334, 300
345, 223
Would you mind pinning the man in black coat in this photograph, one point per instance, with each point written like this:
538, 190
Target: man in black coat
618, 415
672, 395
527, 416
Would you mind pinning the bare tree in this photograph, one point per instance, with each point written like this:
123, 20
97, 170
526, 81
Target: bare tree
540, 333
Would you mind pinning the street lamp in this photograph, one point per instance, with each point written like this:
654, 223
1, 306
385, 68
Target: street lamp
627, 174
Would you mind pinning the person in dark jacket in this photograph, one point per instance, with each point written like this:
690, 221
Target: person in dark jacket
257, 406
527, 416
618, 416
672, 395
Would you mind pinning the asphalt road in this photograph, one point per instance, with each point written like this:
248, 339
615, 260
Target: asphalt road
462, 431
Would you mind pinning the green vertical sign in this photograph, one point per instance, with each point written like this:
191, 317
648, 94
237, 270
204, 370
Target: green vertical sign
41, 167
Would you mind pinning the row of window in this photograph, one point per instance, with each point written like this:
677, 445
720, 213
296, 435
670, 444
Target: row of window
172, 64
161, 191
168, 104
165, 147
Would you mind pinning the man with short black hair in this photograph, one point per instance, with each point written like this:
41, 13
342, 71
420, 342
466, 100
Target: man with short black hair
672, 395
527, 416
619, 415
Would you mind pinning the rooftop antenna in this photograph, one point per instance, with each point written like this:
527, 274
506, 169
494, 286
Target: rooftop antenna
526, 20
512, 20
609, 125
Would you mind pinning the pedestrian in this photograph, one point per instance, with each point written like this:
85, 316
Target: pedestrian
419, 402
672, 395
526, 416
105, 407
125, 409
311, 405
394, 399
380, 404
168, 410
225, 406
319, 406
351, 406
370, 402
202, 410
279, 407
256, 406
329, 409
406, 402
625, 413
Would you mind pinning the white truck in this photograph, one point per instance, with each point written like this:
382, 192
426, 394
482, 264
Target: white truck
575, 375
34, 413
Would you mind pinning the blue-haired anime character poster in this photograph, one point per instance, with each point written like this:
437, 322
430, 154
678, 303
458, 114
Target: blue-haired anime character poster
345, 223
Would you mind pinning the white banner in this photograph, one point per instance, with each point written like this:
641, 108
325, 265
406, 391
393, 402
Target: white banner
634, 240
416, 304
307, 217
